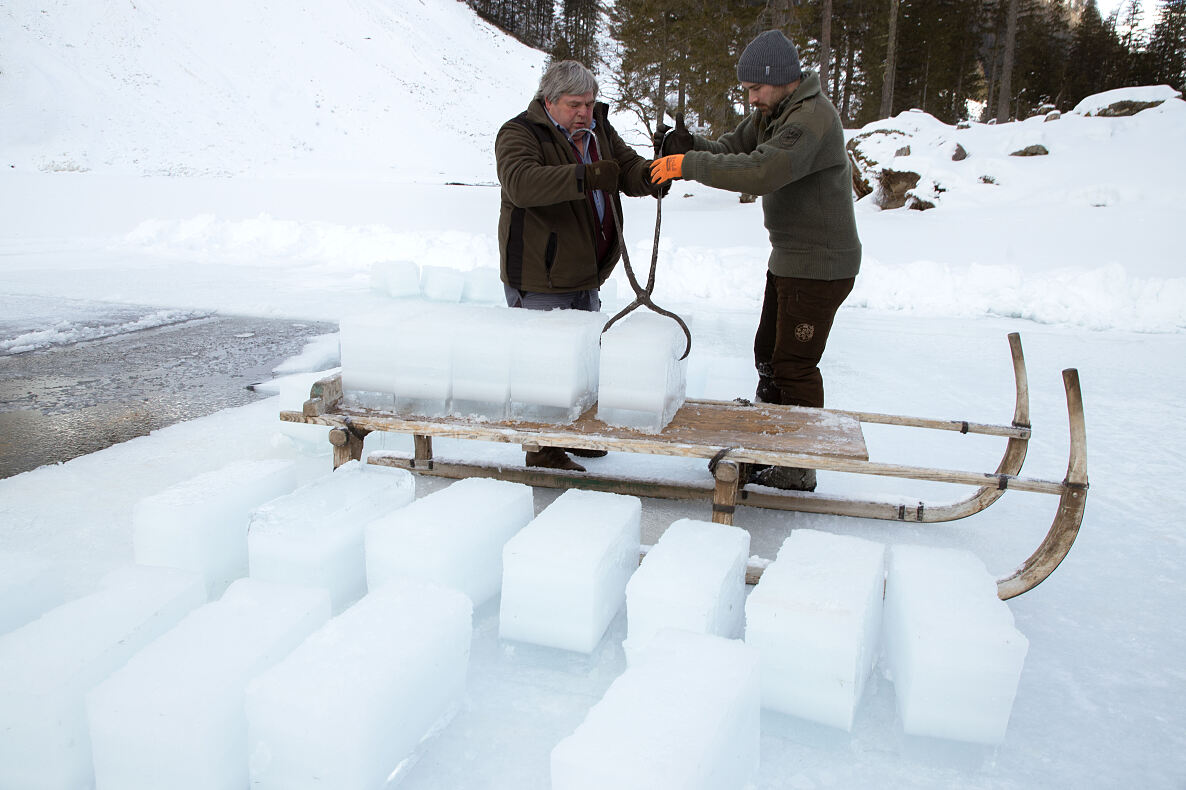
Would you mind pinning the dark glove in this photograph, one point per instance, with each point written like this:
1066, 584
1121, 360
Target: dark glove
657, 138
602, 175
678, 140
657, 190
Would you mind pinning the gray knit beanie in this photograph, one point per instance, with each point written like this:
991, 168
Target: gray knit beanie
770, 59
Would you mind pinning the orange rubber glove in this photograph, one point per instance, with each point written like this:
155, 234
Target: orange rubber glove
666, 168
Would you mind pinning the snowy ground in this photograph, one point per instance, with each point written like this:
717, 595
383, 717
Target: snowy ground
1079, 251
1101, 696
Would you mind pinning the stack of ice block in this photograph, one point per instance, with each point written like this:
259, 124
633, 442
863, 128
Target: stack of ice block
314, 536
815, 617
433, 359
399, 359
564, 576
173, 715
951, 646
554, 364
693, 578
684, 716
642, 381
352, 702
452, 537
48, 666
200, 524
28, 589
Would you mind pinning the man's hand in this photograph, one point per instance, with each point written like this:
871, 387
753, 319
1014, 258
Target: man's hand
667, 168
658, 190
602, 175
659, 136
679, 141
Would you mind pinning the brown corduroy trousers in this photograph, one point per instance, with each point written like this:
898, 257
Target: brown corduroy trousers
793, 330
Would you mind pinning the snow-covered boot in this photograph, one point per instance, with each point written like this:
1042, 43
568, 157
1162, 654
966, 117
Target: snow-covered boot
552, 458
787, 478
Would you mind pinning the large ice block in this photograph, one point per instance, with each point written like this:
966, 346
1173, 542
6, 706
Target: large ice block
481, 366
352, 702
693, 578
441, 284
421, 354
453, 537
173, 715
314, 536
399, 279
684, 716
952, 649
815, 617
28, 589
483, 286
564, 576
48, 666
643, 381
200, 524
368, 364
554, 361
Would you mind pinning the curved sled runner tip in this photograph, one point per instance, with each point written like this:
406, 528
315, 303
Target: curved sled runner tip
1072, 501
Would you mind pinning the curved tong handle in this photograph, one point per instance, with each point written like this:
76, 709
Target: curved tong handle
642, 296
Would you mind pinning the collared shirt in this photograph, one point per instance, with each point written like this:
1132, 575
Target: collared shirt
583, 153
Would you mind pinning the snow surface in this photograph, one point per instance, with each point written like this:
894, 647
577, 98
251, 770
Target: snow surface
316, 143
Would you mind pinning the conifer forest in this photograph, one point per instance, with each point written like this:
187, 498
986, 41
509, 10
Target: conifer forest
981, 60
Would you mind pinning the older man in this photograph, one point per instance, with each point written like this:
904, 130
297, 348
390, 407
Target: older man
561, 166
791, 152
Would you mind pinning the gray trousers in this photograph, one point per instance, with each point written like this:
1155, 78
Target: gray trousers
573, 300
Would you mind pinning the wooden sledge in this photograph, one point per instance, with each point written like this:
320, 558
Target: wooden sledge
735, 433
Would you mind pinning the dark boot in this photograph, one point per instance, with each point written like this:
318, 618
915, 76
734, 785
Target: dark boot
768, 391
580, 452
553, 458
787, 478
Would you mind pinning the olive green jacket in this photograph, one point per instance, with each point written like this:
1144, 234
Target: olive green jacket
796, 161
547, 228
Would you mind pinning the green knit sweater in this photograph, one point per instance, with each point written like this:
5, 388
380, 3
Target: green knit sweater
796, 161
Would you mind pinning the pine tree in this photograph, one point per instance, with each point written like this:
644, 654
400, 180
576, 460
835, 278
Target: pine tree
937, 66
679, 56
1008, 61
1167, 46
891, 61
576, 30
1090, 60
530, 21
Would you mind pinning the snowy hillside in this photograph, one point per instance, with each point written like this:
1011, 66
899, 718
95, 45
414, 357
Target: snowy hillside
222, 87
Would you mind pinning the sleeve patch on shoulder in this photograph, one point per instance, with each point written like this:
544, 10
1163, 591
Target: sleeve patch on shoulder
789, 136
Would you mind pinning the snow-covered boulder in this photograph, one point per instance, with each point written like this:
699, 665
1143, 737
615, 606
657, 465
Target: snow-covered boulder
1126, 101
892, 160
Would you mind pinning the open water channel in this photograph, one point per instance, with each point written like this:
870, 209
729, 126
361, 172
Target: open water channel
67, 397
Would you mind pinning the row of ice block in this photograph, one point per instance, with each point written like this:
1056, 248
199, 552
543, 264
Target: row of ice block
408, 280
830, 605
812, 625
340, 700
496, 363
404, 279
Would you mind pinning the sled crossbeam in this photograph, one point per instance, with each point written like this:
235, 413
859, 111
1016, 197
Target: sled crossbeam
735, 433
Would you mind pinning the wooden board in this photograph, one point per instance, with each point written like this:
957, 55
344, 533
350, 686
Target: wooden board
701, 429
